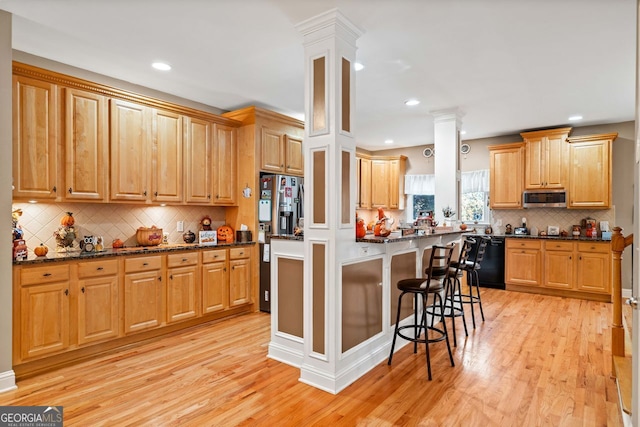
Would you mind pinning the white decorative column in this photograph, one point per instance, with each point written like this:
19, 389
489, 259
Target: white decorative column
7, 376
330, 190
446, 127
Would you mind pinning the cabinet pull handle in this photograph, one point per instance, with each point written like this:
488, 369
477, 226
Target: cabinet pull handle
224, 269
100, 268
184, 260
145, 193
569, 257
70, 190
159, 278
171, 277
233, 268
217, 196
144, 264
155, 194
82, 289
46, 275
55, 189
241, 253
209, 196
66, 292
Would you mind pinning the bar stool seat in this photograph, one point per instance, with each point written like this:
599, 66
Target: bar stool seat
421, 288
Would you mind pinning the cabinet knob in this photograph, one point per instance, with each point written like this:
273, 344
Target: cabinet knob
233, 268
82, 289
70, 190
55, 189
209, 196
66, 292
155, 193
145, 193
224, 269
171, 277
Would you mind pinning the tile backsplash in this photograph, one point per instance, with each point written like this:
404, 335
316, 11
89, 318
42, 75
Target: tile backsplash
111, 221
542, 217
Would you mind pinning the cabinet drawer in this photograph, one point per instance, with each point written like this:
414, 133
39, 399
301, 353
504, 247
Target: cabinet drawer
47, 274
594, 247
97, 268
237, 253
142, 264
558, 246
214, 256
524, 243
185, 258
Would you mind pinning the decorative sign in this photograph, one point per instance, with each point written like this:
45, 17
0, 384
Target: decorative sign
208, 237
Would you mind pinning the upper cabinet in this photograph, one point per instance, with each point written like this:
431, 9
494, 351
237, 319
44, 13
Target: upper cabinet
280, 152
75, 140
546, 158
590, 171
381, 181
35, 139
506, 175
86, 146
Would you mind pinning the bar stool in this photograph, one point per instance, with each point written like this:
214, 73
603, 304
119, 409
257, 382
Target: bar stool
453, 290
432, 284
473, 280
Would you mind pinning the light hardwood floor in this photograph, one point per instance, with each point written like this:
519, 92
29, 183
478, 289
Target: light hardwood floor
536, 361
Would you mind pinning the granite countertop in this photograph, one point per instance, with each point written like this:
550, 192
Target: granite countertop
396, 236
54, 256
287, 237
528, 236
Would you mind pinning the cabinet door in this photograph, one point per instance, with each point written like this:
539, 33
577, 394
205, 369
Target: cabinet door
558, 269
225, 166
97, 309
181, 293
505, 176
594, 268
534, 167
365, 183
44, 319
590, 174
130, 141
556, 156
272, 151
379, 183
198, 161
215, 287
167, 175
523, 267
294, 158
142, 301
35, 144
86, 146
239, 282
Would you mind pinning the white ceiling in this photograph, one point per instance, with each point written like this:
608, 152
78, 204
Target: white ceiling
507, 65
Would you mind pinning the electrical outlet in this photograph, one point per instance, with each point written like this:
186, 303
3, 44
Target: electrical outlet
180, 226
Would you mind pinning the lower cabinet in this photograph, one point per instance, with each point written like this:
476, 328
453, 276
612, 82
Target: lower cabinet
87, 306
559, 267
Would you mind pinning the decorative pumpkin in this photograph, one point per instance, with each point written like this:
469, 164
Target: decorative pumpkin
225, 234
117, 244
41, 250
371, 225
360, 229
68, 220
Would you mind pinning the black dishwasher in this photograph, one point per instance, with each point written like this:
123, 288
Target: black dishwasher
491, 271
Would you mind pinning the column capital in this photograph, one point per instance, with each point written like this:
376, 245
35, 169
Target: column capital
447, 114
331, 23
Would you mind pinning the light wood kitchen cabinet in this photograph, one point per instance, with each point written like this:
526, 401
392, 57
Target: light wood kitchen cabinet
182, 286
44, 311
225, 166
198, 161
523, 262
590, 171
594, 267
239, 277
280, 152
130, 143
142, 299
86, 146
546, 154
166, 166
364, 183
379, 183
98, 302
215, 281
35, 139
558, 264
506, 175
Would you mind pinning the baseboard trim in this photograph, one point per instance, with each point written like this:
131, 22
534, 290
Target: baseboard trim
7, 381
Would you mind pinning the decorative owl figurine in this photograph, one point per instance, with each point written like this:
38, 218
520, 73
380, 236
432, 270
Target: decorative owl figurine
205, 223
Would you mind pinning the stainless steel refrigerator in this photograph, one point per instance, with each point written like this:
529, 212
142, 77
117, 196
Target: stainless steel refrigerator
280, 209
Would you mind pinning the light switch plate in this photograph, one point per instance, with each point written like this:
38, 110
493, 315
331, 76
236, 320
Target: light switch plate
180, 226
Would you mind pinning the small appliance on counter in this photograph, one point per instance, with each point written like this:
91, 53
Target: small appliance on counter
521, 231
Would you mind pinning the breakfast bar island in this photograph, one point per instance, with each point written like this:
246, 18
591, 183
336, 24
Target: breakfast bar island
365, 301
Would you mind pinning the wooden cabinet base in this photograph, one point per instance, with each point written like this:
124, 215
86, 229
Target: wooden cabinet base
29, 369
560, 292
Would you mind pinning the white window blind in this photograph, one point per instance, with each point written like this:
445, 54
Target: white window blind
474, 181
419, 184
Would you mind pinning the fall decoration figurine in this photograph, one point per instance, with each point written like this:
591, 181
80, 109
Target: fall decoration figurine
205, 223
65, 234
361, 231
18, 234
382, 228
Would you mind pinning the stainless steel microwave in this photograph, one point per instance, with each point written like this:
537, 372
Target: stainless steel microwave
544, 198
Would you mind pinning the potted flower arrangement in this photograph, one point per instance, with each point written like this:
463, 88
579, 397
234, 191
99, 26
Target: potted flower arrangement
448, 213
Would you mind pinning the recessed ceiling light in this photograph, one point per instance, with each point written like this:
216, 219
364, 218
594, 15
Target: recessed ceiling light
388, 141
574, 118
463, 132
358, 66
411, 102
161, 66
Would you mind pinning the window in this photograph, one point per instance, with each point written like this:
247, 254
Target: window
420, 202
420, 190
474, 195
